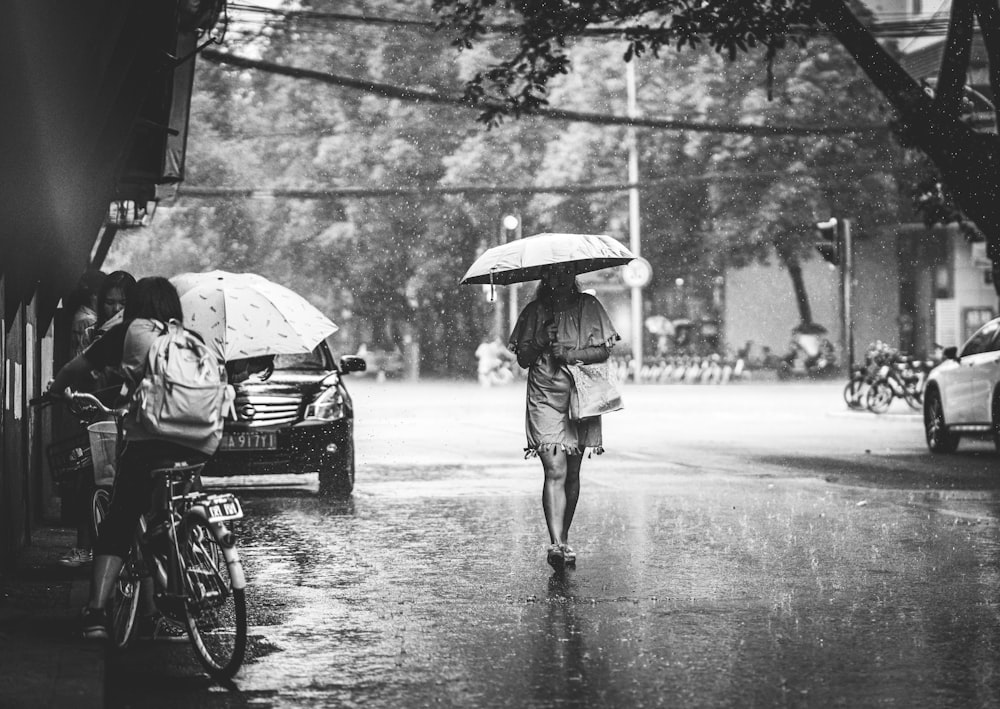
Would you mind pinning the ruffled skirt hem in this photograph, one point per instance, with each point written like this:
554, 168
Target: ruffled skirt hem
568, 450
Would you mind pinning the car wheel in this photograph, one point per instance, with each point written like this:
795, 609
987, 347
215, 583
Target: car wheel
337, 480
939, 438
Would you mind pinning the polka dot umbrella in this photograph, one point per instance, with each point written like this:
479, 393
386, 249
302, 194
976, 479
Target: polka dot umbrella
246, 315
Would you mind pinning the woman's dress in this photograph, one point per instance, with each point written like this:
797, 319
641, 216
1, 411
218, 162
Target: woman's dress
584, 323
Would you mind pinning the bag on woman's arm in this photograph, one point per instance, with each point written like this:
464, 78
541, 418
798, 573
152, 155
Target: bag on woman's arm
595, 390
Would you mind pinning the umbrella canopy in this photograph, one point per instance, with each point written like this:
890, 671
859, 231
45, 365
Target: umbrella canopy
246, 315
522, 260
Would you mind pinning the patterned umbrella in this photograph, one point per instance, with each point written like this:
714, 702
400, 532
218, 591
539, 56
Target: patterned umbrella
246, 315
522, 260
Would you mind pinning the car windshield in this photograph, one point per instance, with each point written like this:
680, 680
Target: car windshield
308, 360
983, 341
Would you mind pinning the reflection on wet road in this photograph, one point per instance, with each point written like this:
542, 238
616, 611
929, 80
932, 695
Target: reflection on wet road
695, 593
705, 579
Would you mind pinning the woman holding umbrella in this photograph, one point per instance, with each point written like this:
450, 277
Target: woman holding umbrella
561, 325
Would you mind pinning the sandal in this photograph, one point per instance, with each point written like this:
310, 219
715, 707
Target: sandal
556, 557
568, 554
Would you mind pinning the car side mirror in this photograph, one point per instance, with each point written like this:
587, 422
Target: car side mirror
950, 353
352, 363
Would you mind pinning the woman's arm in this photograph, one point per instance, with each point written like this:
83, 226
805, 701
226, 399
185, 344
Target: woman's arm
72, 373
589, 355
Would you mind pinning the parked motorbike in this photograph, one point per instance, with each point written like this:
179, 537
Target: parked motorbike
810, 354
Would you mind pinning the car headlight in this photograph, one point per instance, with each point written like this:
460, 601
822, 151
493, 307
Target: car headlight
329, 405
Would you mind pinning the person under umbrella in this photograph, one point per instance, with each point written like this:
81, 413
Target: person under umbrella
561, 325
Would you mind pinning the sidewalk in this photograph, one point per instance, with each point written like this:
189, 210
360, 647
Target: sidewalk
44, 662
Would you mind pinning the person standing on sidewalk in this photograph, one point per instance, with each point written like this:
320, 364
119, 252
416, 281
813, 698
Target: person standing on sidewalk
75, 492
559, 326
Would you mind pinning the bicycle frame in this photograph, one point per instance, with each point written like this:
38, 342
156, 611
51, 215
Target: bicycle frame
176, 505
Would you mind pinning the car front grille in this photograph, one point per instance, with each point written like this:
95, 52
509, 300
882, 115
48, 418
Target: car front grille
262, 410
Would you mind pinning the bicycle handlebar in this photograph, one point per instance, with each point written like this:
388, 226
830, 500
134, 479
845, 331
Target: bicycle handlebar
80, 403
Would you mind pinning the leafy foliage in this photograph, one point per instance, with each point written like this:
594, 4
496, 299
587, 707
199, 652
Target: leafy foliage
386, 269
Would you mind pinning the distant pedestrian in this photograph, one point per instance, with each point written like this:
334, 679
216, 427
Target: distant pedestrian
561, 325
494, 363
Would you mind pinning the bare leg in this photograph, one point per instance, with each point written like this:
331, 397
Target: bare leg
554, 491
103, 578
573, 463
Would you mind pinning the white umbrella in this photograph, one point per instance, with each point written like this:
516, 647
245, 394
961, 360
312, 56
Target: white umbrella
246, 315
659, 325
522, 260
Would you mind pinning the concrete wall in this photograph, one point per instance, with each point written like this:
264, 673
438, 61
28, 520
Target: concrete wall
975, 299
760, 303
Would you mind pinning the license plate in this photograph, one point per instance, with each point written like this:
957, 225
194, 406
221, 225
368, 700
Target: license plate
249, 440
221, 508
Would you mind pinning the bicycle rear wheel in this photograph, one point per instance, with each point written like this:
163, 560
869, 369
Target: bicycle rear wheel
100, 501
216, 612
125, 599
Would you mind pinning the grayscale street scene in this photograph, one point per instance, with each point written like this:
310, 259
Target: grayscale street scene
473, 354
751, 545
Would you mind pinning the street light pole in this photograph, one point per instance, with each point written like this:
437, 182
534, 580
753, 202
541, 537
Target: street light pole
633, 217
847, 281
512, 227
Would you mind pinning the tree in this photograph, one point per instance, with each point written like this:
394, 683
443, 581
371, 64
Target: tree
968, 160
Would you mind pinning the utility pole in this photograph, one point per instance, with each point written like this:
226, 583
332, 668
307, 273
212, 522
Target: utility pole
633, 217
846, 244
512, 230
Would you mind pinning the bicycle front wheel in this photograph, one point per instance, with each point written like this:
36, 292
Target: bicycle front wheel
100, 501
879, 397
216, 611
125, 599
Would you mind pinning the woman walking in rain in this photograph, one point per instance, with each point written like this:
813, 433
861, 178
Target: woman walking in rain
561, 325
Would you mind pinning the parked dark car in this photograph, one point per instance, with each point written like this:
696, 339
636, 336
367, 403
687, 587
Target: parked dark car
293, 417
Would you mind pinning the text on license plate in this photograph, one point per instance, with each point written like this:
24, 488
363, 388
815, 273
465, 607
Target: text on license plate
249, 440
224, 507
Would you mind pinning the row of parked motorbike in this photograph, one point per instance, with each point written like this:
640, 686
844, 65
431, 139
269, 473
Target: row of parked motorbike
887, 375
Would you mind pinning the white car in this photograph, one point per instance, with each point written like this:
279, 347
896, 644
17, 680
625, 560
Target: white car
962, 394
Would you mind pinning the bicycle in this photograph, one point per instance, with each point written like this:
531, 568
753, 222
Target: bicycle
92, 453
184, 546
857, 387
896, 379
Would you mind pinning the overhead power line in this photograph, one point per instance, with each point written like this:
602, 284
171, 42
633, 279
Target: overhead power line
415, 95
847, 172
888, 25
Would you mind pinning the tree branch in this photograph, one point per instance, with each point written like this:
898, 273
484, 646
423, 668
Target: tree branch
948, 91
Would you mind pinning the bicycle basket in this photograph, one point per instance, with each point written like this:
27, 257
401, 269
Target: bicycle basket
103, 447
69, 457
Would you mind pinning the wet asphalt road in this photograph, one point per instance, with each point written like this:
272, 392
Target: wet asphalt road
738, 546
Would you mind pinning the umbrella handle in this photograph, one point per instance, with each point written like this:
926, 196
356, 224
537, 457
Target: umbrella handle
493, 290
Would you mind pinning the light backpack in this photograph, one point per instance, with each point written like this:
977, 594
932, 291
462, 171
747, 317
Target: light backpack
184, 394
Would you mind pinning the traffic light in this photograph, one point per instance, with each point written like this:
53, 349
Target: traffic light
829, 246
